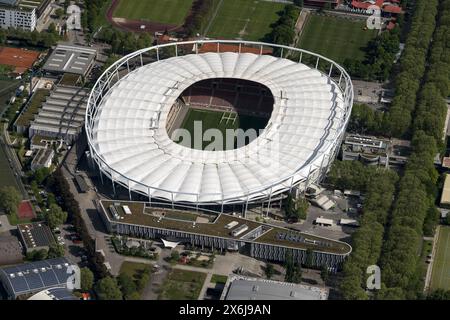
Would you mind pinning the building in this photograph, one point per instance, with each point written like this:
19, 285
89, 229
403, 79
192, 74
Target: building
220, 232
67, 58
244, 288
375, 151
61, 115
42, 159
23, 14
322, 3
35, 236
388, 8
29, 278
10, 250
58, 293
445, 196
40, 142
130, 145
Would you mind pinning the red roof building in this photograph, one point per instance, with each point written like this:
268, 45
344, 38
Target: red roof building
388, 7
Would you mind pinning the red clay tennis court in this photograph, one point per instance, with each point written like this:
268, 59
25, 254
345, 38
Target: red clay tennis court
20, 59
25, 210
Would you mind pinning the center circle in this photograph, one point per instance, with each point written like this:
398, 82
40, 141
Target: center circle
220, 114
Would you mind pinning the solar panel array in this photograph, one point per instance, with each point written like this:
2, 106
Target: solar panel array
300, 239
36, 276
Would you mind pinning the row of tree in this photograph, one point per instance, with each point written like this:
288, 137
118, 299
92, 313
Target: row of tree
283, 30
412, 68
351, 175
414, 210
199, 16
367, 241
58, 184
379, 57
124, 42
44, 39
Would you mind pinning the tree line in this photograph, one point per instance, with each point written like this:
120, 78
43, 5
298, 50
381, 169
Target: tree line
58, 184
283, 31
367, 241
414, 211
412, 68
199, 16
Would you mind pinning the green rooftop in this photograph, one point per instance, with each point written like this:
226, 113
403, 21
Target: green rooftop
179, 220
32, 107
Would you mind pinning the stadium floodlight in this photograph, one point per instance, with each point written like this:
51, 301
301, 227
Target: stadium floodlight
296, 148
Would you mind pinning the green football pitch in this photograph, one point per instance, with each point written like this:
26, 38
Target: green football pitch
161, 11
244, 19
217, 120
335, 38
440, 277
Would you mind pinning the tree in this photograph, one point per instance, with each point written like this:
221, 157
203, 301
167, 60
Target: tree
55, 216
87, 279
127, 285
37, 255
55, 251
270, 270
142, 281
324, 274
174, 255
9, 199
298, 3
52, 28
108, 289
41, 174
59, 13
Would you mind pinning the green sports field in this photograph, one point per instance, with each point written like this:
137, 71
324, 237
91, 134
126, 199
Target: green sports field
161, 11
440, 277
335, 38
244, 19
218, 120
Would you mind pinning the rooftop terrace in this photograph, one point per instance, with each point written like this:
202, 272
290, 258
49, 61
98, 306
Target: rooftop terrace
141, 214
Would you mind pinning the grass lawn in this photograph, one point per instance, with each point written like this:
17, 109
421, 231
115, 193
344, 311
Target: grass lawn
217, 278
133, 269
244, 19
440, 277
214, 120
182, 285
335, 38
162, 11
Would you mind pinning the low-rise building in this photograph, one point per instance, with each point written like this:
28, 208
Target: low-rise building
35, 236
29, 278
244, 288
445, 196
375, 151
67, 58
42, 159
62, 114
259, 240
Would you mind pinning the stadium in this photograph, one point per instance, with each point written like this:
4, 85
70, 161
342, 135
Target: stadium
298, 101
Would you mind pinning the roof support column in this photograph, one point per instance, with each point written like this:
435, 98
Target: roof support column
142, 61
260, 50
240, 46
149, 196
157, 53
268, 204
331, 69
218, 47
176, 50
129, 190
281, 54
246, 206
171, 196
128, 66
112, 180
317, 62
100, 172
301, 56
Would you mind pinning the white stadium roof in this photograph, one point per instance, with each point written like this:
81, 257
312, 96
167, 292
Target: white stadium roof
307, 119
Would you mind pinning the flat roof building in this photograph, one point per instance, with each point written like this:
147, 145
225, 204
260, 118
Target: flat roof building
244, 288
445, 196
70, 59
35, 236
61, 116
33, 277
42, 159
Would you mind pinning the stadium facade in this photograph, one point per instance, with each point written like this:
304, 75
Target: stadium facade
130, 104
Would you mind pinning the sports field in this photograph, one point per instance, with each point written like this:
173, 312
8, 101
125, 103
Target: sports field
162, 11
440, 277
221, 121
335, 38
244, 19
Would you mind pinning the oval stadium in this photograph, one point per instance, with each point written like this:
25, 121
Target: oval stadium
297, 102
